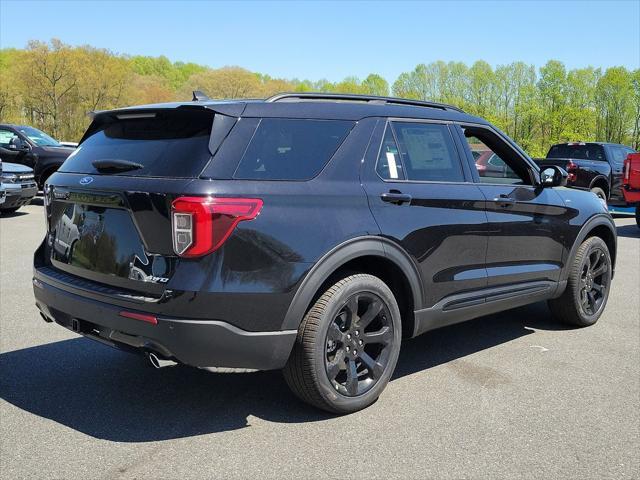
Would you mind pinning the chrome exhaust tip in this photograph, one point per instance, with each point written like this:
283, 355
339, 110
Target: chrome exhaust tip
157, 362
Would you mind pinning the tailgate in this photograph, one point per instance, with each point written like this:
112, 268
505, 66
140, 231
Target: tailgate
121, 239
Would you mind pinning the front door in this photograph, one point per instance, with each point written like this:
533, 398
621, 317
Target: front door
9, 151
526, 222
423, 198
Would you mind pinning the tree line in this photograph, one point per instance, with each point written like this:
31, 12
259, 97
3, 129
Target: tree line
53, 86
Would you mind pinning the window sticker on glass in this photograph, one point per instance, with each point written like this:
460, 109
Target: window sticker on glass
393, 167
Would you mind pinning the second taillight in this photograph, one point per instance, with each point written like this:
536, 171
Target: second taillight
202, 224
571, 170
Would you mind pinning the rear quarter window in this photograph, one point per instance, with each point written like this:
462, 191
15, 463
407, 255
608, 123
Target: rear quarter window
290, 149
170, 143
588, 151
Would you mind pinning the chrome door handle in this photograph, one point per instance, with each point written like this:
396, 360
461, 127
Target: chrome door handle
396, 198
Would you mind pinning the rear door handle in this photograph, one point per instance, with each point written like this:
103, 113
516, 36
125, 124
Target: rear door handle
505, 201
396, 198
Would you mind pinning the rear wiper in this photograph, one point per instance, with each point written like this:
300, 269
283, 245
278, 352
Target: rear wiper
115, 165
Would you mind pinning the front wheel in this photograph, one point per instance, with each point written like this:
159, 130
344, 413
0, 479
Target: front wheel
347, 346
588, 284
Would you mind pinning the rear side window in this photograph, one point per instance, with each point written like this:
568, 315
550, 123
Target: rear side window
585, 151
170, 143
389, 165
428, 152
288, 149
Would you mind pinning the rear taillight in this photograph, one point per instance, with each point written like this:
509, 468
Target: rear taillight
627, 170
202, 224
571, 170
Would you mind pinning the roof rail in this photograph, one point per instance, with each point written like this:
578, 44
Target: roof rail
359, 98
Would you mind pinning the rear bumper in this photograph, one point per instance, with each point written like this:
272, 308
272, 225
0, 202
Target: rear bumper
199, 343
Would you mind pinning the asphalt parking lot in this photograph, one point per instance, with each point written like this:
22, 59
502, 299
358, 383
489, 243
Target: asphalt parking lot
513, 395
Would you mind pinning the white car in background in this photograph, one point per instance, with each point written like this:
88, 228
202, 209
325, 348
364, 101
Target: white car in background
18, 186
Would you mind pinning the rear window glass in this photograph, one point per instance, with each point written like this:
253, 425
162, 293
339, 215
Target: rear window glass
588, 151
169, 143
428, 152
287, 149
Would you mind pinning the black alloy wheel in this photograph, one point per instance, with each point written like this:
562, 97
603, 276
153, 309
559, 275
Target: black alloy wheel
594, 281
347, 345
588, 285
358, 344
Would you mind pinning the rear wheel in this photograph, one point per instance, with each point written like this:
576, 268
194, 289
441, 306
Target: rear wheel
347, 346
587, 291
600, 193
638, 215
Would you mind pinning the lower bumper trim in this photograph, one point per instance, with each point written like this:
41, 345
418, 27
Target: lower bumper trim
199, 343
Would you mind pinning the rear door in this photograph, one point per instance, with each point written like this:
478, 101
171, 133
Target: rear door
526, 223
422, 197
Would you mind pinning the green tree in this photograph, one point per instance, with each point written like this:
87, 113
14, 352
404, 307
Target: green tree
374, 84
614, 100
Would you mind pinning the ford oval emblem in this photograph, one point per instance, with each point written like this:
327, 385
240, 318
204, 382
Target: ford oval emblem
86, 180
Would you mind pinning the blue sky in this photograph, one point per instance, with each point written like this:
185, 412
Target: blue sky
335, 39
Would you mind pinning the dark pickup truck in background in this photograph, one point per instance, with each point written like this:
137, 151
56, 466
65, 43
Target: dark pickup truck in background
594, 166
33, 148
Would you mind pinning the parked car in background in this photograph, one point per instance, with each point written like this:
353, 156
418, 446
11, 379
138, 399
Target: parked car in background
69, 144
491, 165
3, 193
309, 232
631, 182
594, 166
33, 148
19, 186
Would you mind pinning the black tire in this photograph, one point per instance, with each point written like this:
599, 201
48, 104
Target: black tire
589, 279
599, 192
328, 341
9, 210
638, 215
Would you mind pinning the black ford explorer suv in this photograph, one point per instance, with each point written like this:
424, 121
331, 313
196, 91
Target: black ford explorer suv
308, 232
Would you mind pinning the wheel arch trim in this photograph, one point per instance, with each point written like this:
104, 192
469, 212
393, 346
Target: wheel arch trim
601, 179
598, 220
339, 256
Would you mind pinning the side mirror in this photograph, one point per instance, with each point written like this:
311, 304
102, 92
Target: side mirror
16, 143
553, 176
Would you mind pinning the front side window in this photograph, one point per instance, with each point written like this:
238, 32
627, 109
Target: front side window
428, 152
495, 161
291, 149
6, 136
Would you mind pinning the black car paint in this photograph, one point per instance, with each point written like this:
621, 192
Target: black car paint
43, 160
605, 174
459, 251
